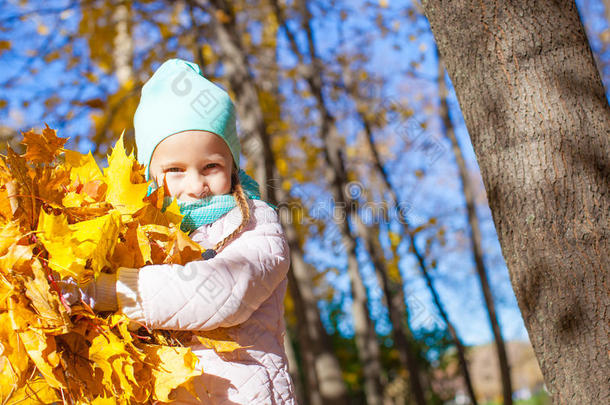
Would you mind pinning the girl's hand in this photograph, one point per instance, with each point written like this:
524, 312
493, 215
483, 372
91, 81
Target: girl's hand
99, 294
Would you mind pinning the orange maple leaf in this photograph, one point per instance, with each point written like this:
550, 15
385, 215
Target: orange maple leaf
42, 148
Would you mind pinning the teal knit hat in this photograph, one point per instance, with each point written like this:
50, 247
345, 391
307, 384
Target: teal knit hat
178, 98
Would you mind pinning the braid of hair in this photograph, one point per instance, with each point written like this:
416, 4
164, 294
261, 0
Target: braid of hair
242, 202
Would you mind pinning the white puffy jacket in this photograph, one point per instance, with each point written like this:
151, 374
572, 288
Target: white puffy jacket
242, 287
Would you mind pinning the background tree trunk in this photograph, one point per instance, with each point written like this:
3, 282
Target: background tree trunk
293, 369
321, 368
368, 123
322, 371
397, 310
364, 329
123, 45
539, 121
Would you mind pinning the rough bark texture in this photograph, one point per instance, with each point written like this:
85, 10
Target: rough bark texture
539, 122
477, 239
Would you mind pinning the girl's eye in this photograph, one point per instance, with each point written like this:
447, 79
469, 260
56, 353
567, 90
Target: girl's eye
211, 166
173, 169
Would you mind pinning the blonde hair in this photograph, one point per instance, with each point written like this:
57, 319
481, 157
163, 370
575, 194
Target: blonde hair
242, 202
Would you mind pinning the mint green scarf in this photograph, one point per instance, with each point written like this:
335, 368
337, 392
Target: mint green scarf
209, 209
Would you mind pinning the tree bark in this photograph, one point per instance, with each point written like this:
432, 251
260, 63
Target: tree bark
539, 122
477, 238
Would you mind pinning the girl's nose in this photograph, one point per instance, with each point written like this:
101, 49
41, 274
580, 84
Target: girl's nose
196, 186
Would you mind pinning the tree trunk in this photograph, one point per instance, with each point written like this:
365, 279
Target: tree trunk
397, 310
377, 163
293, 369
123, 45
323, 374
364, 329
248, 108
365, 335
322, 371
477, 239
539, 122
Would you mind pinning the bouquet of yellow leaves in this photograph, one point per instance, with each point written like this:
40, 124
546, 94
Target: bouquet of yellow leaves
61, 216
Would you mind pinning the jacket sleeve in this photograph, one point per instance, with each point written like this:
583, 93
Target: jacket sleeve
220, 292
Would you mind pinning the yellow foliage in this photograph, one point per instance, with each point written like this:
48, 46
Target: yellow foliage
83, 168
62, 216
218, 339
35, 391
122, 193
179, 367
84, 244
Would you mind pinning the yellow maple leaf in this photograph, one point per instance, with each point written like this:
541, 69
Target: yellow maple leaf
182, 248
219, 340
172, 212
6, 209
51, 314
44, 147
42, 350
133, 250
6, 290
73, 247
144, 245
124, 195
173, 367
104, 401
157, 232
50, 184
109, 353
9, 235
5, 173
83, 380
23, 191
83, 168
150, 214
74, 199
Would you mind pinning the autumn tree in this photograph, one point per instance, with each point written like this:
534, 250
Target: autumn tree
539, 121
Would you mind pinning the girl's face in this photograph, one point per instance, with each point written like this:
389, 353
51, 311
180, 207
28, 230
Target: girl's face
195, 164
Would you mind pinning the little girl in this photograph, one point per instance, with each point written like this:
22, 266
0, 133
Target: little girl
185, 135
